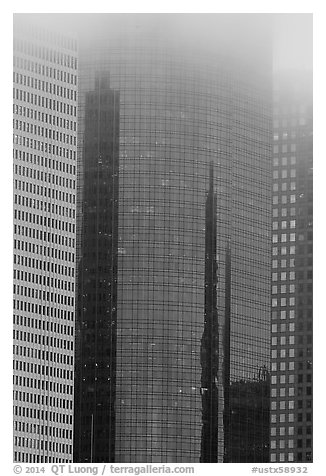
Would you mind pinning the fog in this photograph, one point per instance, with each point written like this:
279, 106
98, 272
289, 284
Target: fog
290, 34
293, 41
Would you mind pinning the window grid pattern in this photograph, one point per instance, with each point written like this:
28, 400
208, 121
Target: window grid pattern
44, 122
291, 352
249, 194
176, 118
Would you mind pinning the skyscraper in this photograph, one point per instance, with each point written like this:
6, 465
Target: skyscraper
45, 125
291, 358
173, 310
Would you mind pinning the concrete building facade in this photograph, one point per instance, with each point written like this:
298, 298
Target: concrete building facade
292, 253
45, 147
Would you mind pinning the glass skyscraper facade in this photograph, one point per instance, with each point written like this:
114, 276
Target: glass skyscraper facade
45, 138
173, 300
292, 261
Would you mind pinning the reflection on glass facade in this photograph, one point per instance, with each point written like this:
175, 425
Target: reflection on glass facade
210, 343
246, 432
97, 297
189, 252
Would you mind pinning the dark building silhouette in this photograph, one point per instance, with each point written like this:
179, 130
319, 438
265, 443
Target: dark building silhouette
247, 431
95, 366
168, 323
168, 256
210, 339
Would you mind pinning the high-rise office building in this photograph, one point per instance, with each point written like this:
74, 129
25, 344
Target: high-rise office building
291, 358
45, 125
173, 311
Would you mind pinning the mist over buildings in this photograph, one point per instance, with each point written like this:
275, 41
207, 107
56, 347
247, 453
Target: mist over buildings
290, 34
163, 237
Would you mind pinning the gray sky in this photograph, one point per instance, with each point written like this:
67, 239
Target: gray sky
293, 43
292, 31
